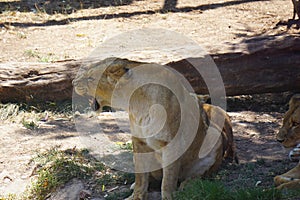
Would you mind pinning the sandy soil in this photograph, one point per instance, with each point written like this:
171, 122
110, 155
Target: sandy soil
215, 25
255, 123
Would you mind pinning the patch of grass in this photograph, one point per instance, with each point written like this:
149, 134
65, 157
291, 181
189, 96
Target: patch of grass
56, 168
8, 197
291, 194
44, 59
215, 190
261, 161
246, 175
111, 179
57, 107
31, 53
59, 167
119, 195
50, 57
9, 110
257, 193
249, 167
30, 114
21, 35
15, 113
29, 124
203, 189
125, 145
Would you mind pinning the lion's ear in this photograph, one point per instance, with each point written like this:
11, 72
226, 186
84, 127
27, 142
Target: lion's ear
294, 103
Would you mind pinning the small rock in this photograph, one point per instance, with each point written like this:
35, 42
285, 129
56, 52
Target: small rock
7, 179
84, 194
154, 196
70, 191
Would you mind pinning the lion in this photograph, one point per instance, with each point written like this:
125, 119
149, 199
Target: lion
100, 80
289, 136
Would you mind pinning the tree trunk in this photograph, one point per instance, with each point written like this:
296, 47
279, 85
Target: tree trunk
271, 67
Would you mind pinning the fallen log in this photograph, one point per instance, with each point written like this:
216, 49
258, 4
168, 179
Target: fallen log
263, 67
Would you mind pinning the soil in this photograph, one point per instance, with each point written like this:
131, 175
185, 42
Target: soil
215, 25
255, 119
32, 32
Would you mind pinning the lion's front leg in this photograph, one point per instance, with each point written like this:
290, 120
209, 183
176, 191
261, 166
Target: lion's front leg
294, 155
141, 186
170, 179
140, 191
141, 179
295, 184
288, 177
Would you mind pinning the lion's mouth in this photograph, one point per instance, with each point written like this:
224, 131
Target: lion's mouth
94, 104
280, 140
98, 105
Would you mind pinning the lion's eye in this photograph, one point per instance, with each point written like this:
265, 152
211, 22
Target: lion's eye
128, 72
126, 69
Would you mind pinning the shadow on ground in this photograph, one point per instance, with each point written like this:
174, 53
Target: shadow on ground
66, 7
58, 6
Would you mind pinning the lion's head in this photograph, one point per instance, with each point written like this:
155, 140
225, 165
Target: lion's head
289, 133
99, 79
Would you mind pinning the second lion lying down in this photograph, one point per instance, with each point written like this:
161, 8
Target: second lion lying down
102, 78
289, 136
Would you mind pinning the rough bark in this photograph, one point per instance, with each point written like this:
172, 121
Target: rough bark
263, 68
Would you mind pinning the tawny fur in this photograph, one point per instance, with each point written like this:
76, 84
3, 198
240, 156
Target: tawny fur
227, 133
189, 164
289, 136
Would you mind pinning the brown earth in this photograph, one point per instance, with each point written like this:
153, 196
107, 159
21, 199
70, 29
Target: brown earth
255, 121
216, 25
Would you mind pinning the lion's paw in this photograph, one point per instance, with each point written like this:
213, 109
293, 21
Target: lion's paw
294, 155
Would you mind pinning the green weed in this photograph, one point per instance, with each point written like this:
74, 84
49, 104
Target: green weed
29, 124
215, 190
32, 53
50, 57
29, 115
57, 167
8, 197
119, 195
8, 110
125, 145
203, 189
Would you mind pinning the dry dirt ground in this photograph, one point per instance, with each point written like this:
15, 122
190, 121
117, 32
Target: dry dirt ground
215, 25
52, 32
255, 121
